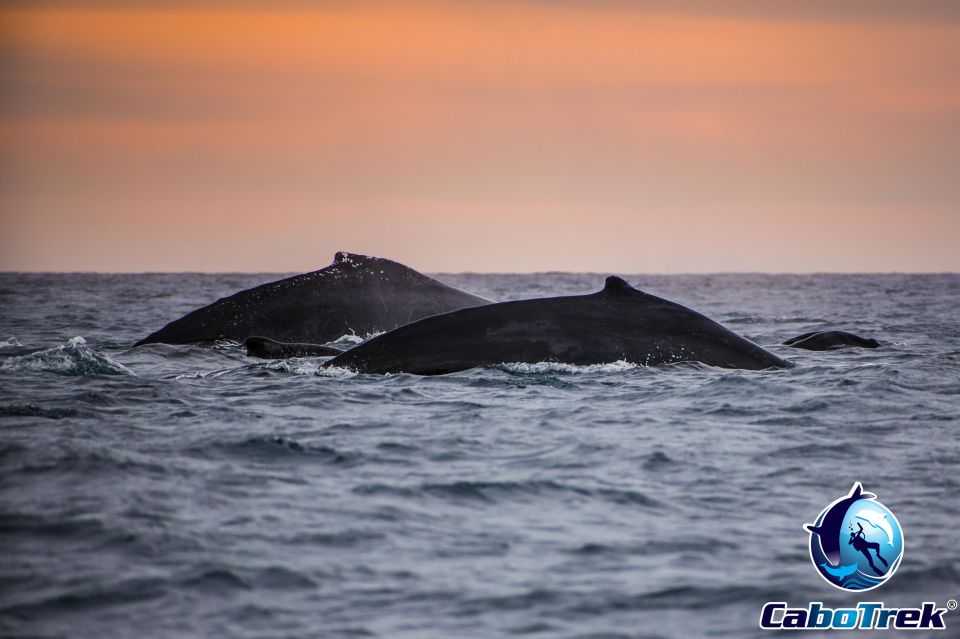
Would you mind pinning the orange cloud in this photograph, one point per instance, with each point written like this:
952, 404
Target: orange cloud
532, 129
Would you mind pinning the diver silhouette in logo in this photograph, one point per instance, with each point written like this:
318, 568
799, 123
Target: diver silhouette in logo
859, 541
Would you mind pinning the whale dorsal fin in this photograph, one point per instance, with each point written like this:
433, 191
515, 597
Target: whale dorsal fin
617, 285
346, 257
358, 260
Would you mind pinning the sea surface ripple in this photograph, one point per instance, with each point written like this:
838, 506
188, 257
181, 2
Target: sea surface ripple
184, 491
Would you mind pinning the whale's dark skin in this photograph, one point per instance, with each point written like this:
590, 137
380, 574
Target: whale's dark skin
829, 529
830, 340
617, 323
267, 348
356, 294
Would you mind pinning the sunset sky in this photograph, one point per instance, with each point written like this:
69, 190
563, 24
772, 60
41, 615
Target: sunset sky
531, 135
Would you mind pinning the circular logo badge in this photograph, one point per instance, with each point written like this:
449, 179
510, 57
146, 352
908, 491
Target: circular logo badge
856, 543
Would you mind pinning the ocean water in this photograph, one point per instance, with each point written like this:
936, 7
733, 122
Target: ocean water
182, 491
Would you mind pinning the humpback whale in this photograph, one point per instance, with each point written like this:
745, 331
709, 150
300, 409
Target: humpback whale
267, 348
828, 531
356, 293
830, 340
616, 323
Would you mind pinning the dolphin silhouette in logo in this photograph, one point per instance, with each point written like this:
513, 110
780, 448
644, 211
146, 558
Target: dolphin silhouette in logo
839, 571
829, 529
878, 520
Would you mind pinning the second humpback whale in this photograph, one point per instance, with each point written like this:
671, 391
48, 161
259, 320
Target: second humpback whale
830, 341
356, 293
617, 323
266, 348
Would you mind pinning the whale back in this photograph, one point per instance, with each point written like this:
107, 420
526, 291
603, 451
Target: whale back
356, 294
830, 340
617, 323
267, 348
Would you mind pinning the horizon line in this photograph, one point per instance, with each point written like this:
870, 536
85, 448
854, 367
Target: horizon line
473, 272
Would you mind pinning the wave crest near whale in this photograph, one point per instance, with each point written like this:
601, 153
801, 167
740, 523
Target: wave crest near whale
74, 358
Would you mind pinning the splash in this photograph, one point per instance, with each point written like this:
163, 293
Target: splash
567, 369
73, 358
207, 374
306, 366
352, 339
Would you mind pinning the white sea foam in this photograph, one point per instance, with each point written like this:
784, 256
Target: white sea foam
10, 342
206, 374
72, 358
567, 369
226, 345
335, 372
306, 366
351, 339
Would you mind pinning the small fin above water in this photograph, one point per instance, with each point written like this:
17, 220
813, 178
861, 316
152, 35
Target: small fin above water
614, 284
346, 257
356, 260
266, 348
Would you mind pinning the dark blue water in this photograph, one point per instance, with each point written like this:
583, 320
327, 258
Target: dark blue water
179, 491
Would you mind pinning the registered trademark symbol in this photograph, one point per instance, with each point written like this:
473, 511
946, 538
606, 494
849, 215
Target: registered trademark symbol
951, 604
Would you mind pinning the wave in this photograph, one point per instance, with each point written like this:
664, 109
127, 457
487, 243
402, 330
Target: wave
270, 448
702, 545
33, 410
223, 579
541, 368
564, 603
86, 462
352, 339
87, 597
495, 491
305, 366
207, 374
226, 345
73, 358
945, 574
